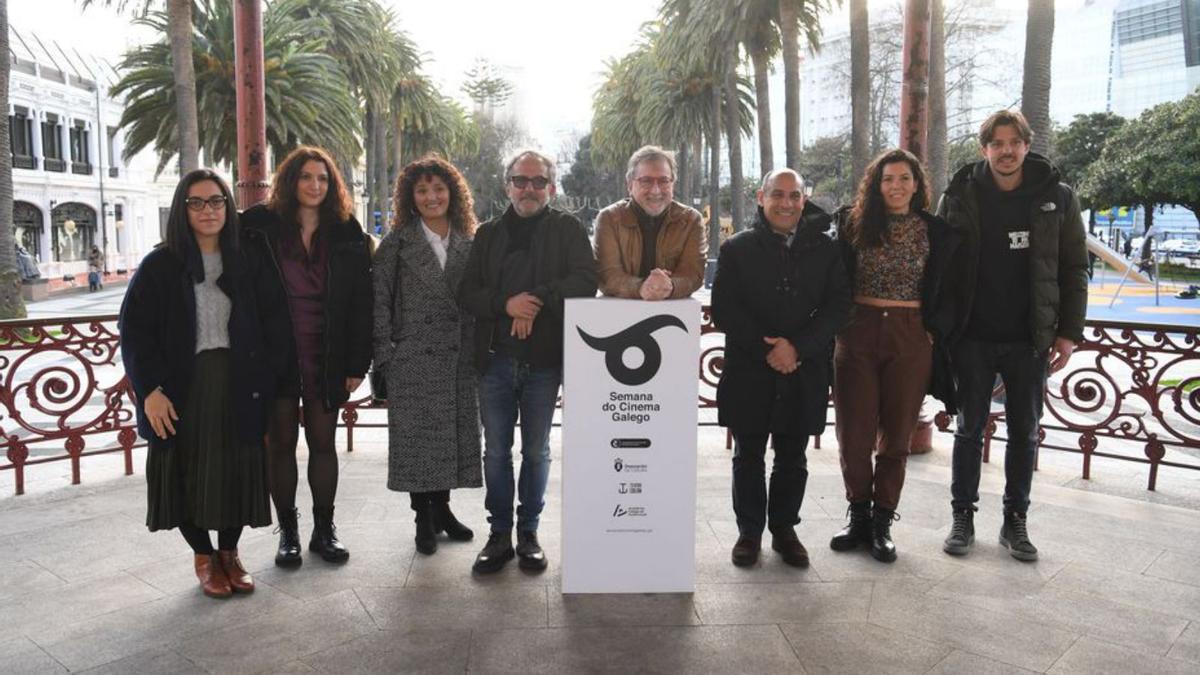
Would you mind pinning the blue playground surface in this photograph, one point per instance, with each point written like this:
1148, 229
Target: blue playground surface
1136, 302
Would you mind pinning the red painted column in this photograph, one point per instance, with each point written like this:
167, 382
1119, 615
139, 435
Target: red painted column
914, 92
251, 103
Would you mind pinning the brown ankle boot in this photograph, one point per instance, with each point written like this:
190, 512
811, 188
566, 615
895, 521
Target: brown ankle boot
212, 576
239, 580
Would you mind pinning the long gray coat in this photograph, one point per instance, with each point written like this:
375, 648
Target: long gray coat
433, 410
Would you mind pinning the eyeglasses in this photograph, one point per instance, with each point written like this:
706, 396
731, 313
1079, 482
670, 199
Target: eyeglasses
522, 182
216, 203
647, 182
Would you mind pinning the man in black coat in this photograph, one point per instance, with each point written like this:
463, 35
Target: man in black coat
521, 268
780, 295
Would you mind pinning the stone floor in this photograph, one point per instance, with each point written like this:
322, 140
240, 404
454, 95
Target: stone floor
83, 586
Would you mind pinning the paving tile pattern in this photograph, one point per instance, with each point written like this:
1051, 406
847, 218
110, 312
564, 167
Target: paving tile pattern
84, 587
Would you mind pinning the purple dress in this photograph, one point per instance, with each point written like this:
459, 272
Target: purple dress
304, 279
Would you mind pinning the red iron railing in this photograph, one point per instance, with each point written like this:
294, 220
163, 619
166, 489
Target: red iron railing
64, 395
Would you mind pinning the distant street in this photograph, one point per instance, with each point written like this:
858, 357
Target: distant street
79, 303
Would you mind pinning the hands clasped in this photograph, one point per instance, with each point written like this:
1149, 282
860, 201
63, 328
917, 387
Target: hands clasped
657, 286
782, 357
523, 308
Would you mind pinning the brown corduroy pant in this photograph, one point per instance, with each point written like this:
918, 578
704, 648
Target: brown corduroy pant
881, 373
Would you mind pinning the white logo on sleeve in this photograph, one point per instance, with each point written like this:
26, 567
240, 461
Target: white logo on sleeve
1018, 240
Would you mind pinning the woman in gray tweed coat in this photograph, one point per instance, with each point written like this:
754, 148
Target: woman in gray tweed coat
422, 344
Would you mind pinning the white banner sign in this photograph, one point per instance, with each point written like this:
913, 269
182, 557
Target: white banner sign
630, 392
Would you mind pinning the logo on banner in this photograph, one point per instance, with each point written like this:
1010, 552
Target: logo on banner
619, 465
631, 511
638, 336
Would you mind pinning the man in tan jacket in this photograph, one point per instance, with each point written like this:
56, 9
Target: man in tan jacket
650, 246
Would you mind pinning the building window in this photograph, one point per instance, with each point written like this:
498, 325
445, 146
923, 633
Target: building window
20, 130
110, 148
1149, 21
27, 225
52, 149
119, 224
79, 149
72, 231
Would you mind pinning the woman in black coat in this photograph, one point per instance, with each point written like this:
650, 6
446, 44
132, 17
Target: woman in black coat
322, 257
202, 328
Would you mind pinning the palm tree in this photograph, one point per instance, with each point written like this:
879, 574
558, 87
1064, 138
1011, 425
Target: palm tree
11, 304
306, 90
1035, 87
179, 31
860, 88
795, 15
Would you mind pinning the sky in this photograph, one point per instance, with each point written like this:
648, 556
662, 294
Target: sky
553, 51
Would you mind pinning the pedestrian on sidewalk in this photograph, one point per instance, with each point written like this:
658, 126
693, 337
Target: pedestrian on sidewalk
202, 338
95, 263
423, 346
1019, 307
780, 295
322, 257
896, 254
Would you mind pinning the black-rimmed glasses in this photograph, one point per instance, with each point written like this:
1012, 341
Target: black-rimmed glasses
216, 203
522, 182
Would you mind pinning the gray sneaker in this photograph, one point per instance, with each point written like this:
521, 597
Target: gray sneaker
1014, 536
962, 533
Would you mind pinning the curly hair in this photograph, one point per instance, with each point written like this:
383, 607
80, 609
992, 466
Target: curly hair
461, 212
868, 223
337, 207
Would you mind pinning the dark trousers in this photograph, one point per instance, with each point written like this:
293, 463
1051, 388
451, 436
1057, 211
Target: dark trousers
752, 506
881, 373
1023, 371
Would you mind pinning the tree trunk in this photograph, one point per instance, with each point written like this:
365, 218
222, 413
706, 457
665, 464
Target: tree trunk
860, 89
179, 27
11, 304
369, 177
697, 167
397, 148
937, 158
1035, 88
381, 167
789, 29
683, 193
733, 132
762, 102
714, 173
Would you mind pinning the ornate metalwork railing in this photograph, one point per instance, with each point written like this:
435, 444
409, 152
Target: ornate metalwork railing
1131, 393
63, 394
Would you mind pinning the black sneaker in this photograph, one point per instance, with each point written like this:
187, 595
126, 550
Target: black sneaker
495, 553
1014, 536
530, 552
962, 533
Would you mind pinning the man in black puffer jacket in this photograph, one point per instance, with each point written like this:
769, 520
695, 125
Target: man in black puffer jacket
1019, 311
780, 295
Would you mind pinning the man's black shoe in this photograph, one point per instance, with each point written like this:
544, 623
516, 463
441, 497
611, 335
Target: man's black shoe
962, 533
530, 552
788, 546
882, 548
1014, 536
495, 553
745, 551
857, 531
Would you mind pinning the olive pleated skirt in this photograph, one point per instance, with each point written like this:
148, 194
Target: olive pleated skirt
208, 477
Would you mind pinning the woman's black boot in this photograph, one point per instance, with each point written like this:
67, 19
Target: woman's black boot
288, 554
444, 520
426, 533
324, 540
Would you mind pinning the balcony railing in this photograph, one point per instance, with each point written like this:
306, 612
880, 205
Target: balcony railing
24, 162
54, 164
64, 395
81, 168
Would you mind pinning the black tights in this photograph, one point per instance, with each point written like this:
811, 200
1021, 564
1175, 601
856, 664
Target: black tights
417, 499
198, 539
284, 431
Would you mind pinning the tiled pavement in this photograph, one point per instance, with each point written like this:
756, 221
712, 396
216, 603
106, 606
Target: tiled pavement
84, 586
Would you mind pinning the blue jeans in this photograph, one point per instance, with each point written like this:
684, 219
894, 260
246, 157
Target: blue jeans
1023, 370
507, 388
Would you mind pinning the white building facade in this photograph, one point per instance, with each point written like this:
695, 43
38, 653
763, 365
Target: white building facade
71, 188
